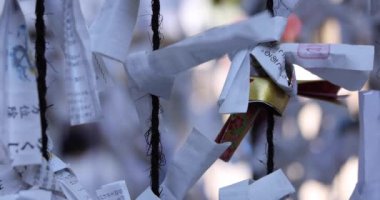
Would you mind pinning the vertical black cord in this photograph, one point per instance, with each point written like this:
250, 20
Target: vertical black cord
270, 120
270, 6
154, 141
41, 78
270, 144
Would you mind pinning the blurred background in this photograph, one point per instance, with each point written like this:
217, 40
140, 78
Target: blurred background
316, 142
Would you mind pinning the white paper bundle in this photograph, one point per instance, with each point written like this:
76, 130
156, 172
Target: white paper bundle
33, 194
274, 186
154, 72
368, 184
19, 97
189, 163
113, 191
81, 89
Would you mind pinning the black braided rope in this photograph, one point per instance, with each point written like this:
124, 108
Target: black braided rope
153, 135
40, 48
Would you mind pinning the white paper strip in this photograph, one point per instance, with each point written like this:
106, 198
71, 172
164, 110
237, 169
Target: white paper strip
369, 177
189, 163
274, 186
80, 76
112, 31
154, 72
345, 65
113, 191
20, 90
236, 85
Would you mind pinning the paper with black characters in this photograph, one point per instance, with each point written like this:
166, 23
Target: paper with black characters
21, 127
113, 191
80, 77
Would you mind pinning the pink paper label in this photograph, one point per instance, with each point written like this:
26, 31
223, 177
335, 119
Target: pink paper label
314, 51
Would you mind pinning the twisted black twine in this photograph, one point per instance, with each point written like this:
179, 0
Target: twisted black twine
153, 134
270, 6
40, 48
270, 144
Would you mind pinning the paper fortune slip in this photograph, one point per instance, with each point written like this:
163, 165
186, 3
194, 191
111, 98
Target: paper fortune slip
80, 77
368, 184
189, 163
113, 191
154, 72
21, 127
274, 186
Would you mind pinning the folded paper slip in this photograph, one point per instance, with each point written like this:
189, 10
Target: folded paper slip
274, 186
154, 72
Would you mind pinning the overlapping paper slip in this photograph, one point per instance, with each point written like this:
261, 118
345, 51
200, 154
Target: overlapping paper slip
43, 176
369, 177
274, 186
21, 126
29, 195
154, 72
189, 163
112, 31
70, 186
113, 191
10, 181
80, 76
347, 66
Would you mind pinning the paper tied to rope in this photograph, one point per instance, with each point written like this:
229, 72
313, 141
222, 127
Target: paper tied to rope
21, 125
344, 65
113, 191
154, 72
274, 186
368, 177
188, 164
80, 77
